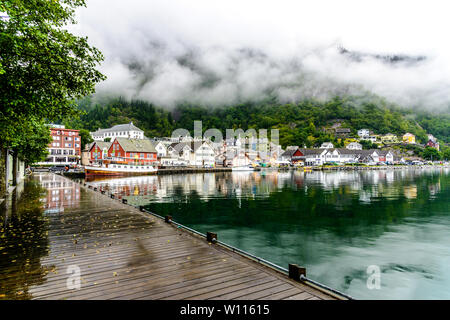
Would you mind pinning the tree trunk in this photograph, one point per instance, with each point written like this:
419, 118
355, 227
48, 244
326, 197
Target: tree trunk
3, 182
14, 177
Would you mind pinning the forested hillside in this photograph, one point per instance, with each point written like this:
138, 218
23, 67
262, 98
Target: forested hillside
303, 123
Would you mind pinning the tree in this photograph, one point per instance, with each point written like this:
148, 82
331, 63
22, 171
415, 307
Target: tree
44, 67
85, 138
431, 154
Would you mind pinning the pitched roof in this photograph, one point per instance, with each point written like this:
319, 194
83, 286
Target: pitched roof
343, 130
289, 153
136, 145
308, 152
120, 127
101, 144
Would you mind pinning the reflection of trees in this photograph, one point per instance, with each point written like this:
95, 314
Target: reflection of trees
338, 210
23, 242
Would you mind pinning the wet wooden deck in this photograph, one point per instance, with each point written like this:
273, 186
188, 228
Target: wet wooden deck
123, 253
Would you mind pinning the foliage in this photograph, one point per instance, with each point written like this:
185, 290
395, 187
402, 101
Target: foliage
44, 68
85, 138
431, 154
306, 123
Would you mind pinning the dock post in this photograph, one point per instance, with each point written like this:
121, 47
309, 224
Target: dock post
168, 219
295, 272
211, 237
124, 201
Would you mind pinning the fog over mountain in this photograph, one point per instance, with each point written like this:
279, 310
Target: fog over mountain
225, 52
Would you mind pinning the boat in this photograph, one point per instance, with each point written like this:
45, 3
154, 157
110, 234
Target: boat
119, 170
243, 168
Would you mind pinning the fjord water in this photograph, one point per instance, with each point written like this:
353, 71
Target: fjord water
336, 224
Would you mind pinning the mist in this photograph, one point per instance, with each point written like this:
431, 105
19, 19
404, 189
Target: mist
224, 52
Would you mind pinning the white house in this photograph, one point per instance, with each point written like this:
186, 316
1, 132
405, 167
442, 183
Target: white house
327, 145
194, 153
363, 133
354, 146
314, 157
128, 130
160, 147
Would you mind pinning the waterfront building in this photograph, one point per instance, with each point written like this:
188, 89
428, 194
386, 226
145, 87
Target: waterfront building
65, 147
128, 130
132, 151
98, 151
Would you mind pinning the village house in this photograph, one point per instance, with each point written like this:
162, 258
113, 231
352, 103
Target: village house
198, 153
363, 133
389, 138
128, 130
327, 145
314, 157
342, 132
354, 146
433, 144
132, 151
160, 147
409, 138
98, 151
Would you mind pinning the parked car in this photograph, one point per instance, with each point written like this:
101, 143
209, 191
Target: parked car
58, 168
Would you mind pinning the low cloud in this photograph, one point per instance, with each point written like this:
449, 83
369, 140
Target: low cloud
221, 53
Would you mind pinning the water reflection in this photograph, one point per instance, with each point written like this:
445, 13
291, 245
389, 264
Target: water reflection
23, 242
334, 223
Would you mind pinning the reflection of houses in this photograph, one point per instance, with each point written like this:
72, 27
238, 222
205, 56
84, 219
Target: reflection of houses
61, 193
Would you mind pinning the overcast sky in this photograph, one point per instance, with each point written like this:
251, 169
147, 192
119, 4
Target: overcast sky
222, 52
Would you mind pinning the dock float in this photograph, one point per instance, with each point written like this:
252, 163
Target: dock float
117, 251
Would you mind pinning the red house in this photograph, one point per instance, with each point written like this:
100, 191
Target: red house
65, 147
132, 151
98, 150
433, 144
298, 156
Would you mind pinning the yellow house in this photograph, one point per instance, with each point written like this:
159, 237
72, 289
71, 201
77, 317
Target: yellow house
409, 138
389, 138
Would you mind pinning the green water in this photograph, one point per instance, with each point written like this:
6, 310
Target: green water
336, 224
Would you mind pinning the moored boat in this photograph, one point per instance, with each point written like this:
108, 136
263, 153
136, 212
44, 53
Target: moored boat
120, 170
243, 168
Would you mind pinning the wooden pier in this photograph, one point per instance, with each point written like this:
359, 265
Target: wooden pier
123, 253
